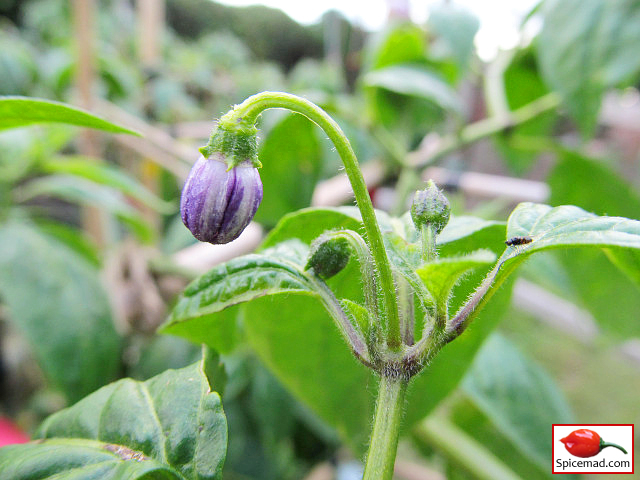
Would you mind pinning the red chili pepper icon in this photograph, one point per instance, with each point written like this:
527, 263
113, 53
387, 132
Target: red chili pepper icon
586, 443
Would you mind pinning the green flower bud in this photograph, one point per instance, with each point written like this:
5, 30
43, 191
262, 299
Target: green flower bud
328, 255
430, 207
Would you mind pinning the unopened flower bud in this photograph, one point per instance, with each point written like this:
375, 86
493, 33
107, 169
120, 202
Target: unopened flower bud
328, 255
218, 203
430, 207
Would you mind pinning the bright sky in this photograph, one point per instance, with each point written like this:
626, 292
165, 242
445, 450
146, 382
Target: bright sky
499, 19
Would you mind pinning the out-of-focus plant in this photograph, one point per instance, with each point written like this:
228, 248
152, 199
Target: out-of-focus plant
49, 269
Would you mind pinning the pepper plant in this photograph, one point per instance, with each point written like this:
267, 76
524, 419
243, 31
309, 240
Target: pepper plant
395, 289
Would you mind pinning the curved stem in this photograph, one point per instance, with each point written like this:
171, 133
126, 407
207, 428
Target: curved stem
245, 115
386, 428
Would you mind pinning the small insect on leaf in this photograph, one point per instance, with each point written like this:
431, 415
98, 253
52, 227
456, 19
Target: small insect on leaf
512, 242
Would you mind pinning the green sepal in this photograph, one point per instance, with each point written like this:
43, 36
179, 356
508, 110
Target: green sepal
237, 145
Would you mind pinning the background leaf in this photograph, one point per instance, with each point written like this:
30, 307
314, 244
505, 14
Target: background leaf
586, 47
291, 159
455, 29
96, 171
415, 81
594, 186
517, 396
87, 192
20, 111
176, 418
55, 299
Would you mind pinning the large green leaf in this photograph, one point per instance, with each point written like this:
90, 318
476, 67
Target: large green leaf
586, 47
173, 420
517, 396
20, 111
291, 163
541, 228
87, 192
197, 316
299, 342
75, 459
54, 297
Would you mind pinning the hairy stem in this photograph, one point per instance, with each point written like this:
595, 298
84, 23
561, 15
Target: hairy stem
386, 428
245, 115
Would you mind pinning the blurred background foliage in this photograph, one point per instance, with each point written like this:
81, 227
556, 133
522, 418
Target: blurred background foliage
93, 253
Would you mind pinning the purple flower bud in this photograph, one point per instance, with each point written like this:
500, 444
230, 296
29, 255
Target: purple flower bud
216, 204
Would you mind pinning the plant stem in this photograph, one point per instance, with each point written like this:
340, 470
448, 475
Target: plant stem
386, 428
483, 129
428, 241
246, 114
462, 449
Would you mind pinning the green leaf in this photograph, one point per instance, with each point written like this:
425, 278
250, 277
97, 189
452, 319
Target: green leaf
522, 85
407, 79
590, 184
517, 396
455, 29
20, 111
586, 47
562, 227
196, 315
93, 169
75, 459
471, 420
568, 226
77, 240
309, 223
300, 344
55, 299
291, 163
359, 314
403, 43
441, 275
474, 229
175, 418
86, 192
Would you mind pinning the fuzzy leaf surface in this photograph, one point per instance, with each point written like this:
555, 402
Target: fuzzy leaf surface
198, 314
